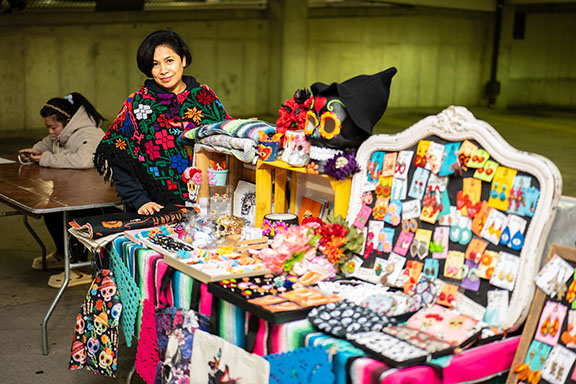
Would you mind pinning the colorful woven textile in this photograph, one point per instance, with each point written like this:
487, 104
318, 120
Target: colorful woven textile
182, 289
231, 323
127, 288
244, 150
147, 357
143, 138
95, 344
243, 128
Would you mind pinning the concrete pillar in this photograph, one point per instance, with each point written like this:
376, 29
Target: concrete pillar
288, 49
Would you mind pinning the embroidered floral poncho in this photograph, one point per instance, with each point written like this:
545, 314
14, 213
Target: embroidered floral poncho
143, 139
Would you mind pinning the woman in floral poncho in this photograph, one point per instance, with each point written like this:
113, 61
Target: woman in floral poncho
140, 151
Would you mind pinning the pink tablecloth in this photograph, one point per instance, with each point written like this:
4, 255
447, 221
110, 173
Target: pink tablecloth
482, 362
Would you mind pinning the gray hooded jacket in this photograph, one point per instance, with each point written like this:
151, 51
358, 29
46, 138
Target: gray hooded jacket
74, 147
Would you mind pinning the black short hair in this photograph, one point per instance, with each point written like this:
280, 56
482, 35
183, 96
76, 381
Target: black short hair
145, 56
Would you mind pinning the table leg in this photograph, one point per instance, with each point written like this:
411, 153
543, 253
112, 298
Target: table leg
62, 288
131, 375
38, 240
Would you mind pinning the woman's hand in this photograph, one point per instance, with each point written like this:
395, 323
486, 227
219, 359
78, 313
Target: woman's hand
149, 208
30, 154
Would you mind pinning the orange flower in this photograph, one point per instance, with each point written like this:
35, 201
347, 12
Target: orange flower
312, 168
194, 114
120, 144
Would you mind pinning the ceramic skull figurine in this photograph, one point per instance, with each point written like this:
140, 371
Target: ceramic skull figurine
227, 225
297, 149
342, 115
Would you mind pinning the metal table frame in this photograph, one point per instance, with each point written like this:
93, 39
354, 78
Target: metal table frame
24, 188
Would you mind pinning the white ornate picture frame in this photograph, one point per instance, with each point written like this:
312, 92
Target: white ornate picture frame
457, 124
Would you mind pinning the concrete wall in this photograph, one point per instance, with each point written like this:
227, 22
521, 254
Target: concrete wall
443, 57
99, 60
540, 70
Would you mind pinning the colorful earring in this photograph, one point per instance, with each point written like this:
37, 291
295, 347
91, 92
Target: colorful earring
545, 327
503, 193
554, 328
505, 237
517, 241
494, 192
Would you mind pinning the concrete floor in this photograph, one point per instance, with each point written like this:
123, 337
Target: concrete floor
25, 296
24, 299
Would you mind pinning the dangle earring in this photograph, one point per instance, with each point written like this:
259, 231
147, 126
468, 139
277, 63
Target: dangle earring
517, 241
545, 327
503, 193
494, 192
505, 237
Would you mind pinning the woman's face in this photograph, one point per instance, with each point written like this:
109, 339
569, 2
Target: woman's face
167, 69
54, 126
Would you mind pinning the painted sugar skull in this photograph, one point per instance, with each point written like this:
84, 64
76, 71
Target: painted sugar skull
116, 311
80, 324
78, 352
342, 115
107, 288
105, 359
93, 345
297, 149
101, 323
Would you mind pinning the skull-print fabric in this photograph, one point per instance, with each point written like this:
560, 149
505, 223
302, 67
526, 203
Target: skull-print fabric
95, 344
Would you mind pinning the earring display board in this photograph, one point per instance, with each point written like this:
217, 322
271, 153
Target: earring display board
449, 200
547, 350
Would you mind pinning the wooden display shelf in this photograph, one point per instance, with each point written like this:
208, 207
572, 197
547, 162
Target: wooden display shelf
264, 192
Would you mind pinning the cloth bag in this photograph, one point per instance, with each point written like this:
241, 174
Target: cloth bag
214, 360
95, 344
176, 328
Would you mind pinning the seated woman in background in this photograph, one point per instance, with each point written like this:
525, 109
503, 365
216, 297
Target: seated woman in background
141, 151
72, 123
